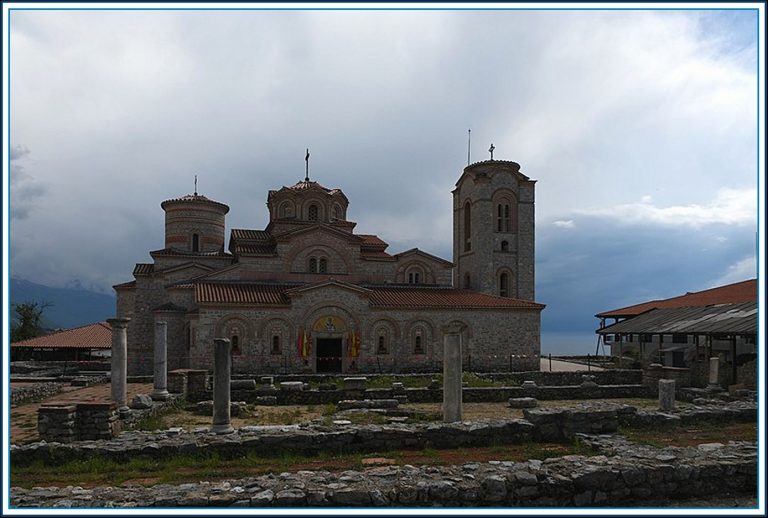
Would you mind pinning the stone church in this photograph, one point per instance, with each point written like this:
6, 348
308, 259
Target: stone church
308, 295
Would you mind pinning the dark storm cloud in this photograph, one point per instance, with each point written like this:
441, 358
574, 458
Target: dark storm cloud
600, 264
24, 189
122, 109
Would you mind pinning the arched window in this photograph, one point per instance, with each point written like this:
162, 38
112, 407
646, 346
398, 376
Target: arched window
195, 242
381, 344
467, 227
312, 212
235, 341
312, 265
503, 217
336, 212
504, 285
276, 344
323, 265
505, 246
467, 283
286, 211
414, 278
418, 346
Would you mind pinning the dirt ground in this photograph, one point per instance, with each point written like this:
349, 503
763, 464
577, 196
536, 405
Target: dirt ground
24, 417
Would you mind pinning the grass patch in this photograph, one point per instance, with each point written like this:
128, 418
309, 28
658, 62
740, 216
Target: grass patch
474, 381
211, 466
692, 435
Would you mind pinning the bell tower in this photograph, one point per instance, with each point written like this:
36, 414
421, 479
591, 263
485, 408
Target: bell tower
493, 230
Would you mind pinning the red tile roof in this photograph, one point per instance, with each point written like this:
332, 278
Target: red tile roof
92, 336
745, 291
375, 254
129, 284
174, 252
241, 293
422, 297
250, 235
443, 298
372, 241
143, 269
254, 249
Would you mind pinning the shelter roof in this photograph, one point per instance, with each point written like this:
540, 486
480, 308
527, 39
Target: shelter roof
715, 319
744, 291
91, 336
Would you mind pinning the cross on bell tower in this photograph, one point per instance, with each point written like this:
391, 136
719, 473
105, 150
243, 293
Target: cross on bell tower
490, 149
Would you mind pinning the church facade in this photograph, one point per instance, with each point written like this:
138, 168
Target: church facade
308, 295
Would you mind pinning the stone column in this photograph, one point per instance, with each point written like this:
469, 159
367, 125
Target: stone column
452, 408
222, 364
666, 394
160, 389
119, 374
714, 373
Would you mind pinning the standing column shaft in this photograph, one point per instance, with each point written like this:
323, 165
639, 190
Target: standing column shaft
222, 363
714, 371
666, 394
160, 389
119, 374
452, 408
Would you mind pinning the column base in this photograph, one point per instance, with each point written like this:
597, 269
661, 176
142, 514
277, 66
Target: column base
160, 395
124, 412
221, 429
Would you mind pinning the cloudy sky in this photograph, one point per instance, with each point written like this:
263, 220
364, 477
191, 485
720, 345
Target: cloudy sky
640, 128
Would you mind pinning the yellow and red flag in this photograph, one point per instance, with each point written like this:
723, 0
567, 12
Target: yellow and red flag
307, 344
354, 344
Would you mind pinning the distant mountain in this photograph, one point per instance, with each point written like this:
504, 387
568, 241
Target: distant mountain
70, 307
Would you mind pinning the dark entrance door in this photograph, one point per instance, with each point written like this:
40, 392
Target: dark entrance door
329, 355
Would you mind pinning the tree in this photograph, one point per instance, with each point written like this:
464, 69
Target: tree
29, 316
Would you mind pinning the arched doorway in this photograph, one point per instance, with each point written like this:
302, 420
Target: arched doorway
329, 331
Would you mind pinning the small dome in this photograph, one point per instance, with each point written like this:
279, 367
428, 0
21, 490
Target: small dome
196, 199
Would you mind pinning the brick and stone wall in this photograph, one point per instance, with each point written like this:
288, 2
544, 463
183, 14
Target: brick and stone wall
747, 374
56, 422
82, 421
654, 372
622, 474
493, 340
483, 184
613, 479
96, 421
